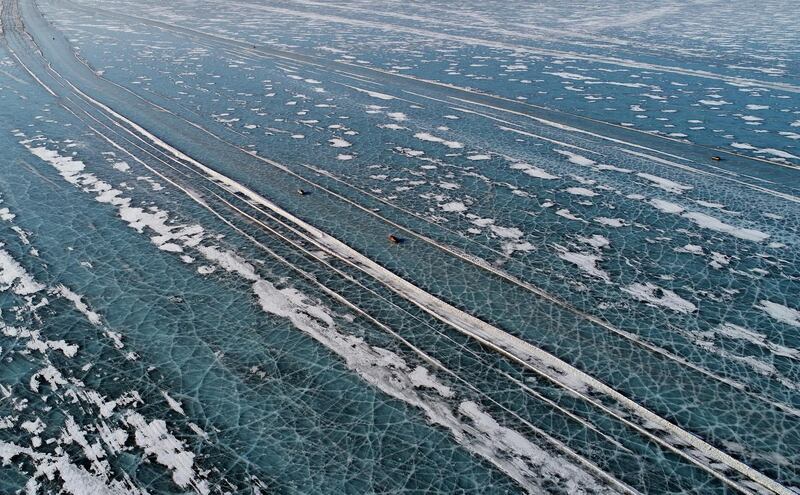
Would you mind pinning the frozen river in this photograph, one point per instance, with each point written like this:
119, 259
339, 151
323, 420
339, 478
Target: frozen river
296, 246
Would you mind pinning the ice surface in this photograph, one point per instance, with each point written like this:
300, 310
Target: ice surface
428, 248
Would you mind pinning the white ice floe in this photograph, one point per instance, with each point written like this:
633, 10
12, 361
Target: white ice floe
6, 215
714, 103
719, 260
49, 374
506, 232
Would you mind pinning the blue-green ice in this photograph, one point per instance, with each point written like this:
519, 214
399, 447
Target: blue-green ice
319, 247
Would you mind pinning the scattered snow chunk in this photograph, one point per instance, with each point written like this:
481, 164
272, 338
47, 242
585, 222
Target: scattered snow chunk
339, 143
533, 171
665, 184
454, 207
782, 313
424, 136
653, 294
581, 191
585, 261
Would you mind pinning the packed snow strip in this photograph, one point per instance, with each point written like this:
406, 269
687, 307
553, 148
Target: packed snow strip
168, 237
373, 94
523, 133
702, 453
525, 462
